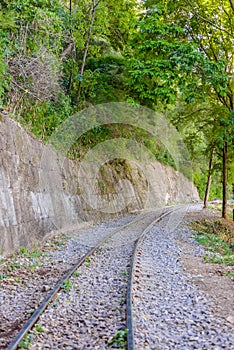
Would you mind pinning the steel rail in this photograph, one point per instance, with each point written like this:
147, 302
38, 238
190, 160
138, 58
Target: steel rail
32, 320
129, 302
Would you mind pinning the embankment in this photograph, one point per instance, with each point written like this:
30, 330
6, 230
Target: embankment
41, 192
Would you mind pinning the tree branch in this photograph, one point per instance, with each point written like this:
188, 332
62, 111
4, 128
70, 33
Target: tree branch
232, 5
26, 91
208, 21
93, 13
66, 52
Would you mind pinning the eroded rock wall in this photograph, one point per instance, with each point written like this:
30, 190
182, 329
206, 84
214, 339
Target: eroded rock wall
41, 192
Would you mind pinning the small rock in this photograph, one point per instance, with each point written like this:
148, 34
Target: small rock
230, 319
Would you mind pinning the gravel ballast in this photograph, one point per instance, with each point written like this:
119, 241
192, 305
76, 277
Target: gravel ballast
92, 311
169, 311
26, 279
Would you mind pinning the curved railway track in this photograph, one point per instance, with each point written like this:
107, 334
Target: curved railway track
130, 334
144, 223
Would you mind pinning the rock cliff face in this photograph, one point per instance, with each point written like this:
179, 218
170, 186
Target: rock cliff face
41, 192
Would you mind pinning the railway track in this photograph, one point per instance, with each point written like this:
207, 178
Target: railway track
129, 237
134, 270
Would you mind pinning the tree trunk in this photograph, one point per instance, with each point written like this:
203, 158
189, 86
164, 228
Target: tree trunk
206, 198
70, 7
93, 12
224, 205
73, 50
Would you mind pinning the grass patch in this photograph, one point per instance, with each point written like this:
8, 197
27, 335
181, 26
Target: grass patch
14, 265
67, 286
218, 206
30, 253
88, 261
60, 241
26, 341
39, 328
4, 276
76, 274
119, 341
217, 236
230, 274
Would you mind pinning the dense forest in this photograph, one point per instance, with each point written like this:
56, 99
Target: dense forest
58, 57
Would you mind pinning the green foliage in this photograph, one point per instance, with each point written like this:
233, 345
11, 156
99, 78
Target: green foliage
3, 276
229, 274
175, 56
39, 24
120, 339
226, 259
76, 274
104, 80
217, 237
67, 286
218, 207
110, 131
88, 261
32, 27
39, 328
211, 241
42, 118
165, 64
122, 16
160, 57
14, 265
6, 23
33, 253
223, 253
26, 342
200, 179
